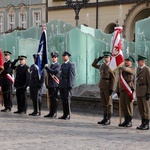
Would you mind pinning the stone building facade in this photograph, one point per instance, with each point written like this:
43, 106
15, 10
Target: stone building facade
21, 14
103, 14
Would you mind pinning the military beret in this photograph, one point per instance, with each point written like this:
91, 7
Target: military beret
34, 56
141, 58
130, 58
7, 53
65, 53
54, 54
106, 53
22, 57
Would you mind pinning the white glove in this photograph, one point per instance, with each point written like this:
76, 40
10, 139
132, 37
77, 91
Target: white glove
46, 65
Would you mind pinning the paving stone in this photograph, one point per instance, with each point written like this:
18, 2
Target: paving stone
24, 132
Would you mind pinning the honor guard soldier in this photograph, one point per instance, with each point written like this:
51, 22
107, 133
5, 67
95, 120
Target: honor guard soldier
52, 81
66, 84
106, 85
6, 82
21, 83
36, 84
143, 92
127, 72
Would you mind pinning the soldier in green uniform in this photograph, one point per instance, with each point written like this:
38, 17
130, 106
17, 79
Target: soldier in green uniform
143, 92
128, 72
106, 86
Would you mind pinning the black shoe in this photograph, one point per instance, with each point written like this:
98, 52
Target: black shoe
107, 122
129, 124
62, 117
143, 127
67, 117
6, 110
102, 121
48, 115
39, 114
122, 124
17, 112
33, 114
22, 112
140, 127
53, 116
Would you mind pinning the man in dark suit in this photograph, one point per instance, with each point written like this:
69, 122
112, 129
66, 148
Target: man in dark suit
6, 82
52, 81
66, 83
36, 84
143, 92
21, 83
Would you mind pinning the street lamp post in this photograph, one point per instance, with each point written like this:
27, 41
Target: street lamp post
76, 5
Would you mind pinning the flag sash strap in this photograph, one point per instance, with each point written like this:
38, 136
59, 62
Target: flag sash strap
126, 86
55, 78
10, 77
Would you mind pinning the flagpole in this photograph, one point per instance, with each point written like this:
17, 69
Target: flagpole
120, 111
47, 94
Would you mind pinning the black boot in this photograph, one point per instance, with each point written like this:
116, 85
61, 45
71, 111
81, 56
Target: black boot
107, 122
129, 121
103, 120
145, 125
142, 123
124, 123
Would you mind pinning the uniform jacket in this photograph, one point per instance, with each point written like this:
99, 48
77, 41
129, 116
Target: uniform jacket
67, 75
143, 81
22, 76
53, 69
128, 75
107, 79
7, 70
35, 80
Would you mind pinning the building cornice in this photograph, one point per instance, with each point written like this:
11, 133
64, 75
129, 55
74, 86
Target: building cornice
107, 3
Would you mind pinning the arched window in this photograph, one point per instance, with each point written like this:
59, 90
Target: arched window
23, 21
11, 21
37, 19
110, 28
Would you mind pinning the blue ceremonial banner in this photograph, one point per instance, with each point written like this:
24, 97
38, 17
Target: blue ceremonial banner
42, 53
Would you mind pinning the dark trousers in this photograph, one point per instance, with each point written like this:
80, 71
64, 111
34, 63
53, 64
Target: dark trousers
34, 97
21, 99
7, 91
65, 97
53, 98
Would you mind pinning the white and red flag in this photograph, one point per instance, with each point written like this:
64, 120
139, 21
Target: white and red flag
117, 59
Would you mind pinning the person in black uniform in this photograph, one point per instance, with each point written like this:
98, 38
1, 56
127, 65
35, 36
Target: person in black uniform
36, 84
66, 83
6, 82
21, 83
53, 72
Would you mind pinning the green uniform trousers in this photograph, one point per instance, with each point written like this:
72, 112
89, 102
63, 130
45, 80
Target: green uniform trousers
126, 104
106, 101
144, 107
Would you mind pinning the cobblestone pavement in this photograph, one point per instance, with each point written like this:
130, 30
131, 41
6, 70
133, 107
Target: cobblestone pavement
24, 132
